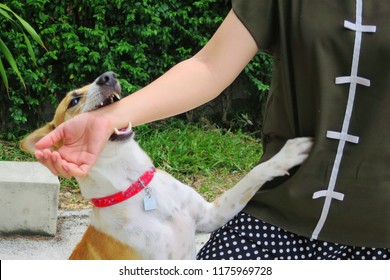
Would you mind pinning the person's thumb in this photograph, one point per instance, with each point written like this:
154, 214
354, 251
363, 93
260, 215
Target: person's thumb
50, 139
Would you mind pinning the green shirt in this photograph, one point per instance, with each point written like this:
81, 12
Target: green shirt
330, 81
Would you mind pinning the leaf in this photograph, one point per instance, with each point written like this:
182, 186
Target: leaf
8, 55
26, 26
30, 49
4, 76
4, 13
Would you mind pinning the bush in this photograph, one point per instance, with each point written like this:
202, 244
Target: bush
139, 40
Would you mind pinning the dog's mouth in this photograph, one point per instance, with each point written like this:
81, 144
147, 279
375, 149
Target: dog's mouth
114, 97
105, 90
122, 134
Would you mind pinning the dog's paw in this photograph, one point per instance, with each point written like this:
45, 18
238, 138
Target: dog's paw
293, 153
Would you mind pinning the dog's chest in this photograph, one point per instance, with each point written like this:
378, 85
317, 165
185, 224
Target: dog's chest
163, 233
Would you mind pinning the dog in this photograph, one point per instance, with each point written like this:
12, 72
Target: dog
140, 212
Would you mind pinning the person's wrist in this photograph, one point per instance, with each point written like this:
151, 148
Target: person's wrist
109, 126
105, 123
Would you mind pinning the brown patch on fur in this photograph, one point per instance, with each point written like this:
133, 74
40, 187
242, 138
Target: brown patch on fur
96, 245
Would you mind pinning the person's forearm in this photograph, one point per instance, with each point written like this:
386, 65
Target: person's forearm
187, 85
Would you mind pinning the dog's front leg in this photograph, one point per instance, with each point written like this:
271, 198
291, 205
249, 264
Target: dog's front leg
225, 207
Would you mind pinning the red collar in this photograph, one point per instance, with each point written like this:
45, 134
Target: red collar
118, 197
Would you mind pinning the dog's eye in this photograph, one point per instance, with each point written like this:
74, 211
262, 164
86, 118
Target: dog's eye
74, 102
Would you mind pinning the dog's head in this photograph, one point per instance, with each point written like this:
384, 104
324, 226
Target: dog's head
103, 91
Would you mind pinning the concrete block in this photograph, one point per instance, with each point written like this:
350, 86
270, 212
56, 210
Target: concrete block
28, 198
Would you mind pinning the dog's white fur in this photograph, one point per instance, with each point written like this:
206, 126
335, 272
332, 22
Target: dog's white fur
168, 232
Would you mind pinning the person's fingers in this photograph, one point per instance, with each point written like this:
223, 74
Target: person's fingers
75, 170
66, 169
39, 155
45, 158
58, 164
60, 167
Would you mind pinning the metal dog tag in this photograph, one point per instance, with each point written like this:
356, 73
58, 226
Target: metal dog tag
150, 202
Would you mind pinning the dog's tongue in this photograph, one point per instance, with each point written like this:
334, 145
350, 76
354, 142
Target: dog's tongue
122, 134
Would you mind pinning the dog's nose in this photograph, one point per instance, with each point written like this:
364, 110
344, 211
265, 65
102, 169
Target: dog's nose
107, 79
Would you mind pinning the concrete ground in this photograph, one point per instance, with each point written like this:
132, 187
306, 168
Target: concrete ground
70, 228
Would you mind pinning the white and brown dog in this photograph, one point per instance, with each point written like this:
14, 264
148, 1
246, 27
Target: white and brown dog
143, 213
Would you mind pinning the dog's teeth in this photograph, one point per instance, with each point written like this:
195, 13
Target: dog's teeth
120, 132
101, 104
128, 129
123, 131
117, 96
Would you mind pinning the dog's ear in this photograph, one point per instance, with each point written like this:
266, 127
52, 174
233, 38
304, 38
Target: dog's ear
28, 143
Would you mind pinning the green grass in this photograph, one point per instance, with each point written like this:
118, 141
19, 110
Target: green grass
206, 157
9, 151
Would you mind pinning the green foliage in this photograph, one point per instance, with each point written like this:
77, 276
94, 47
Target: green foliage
139, 40
20, 24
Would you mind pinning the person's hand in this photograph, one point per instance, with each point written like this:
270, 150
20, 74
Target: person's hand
83, 138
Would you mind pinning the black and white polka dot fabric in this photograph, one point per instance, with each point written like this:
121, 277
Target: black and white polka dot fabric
247, 238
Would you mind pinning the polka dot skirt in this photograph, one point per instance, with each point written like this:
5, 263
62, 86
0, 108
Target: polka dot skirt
245, 237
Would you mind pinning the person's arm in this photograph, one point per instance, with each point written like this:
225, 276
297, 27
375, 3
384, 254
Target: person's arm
187, 85
192, 82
